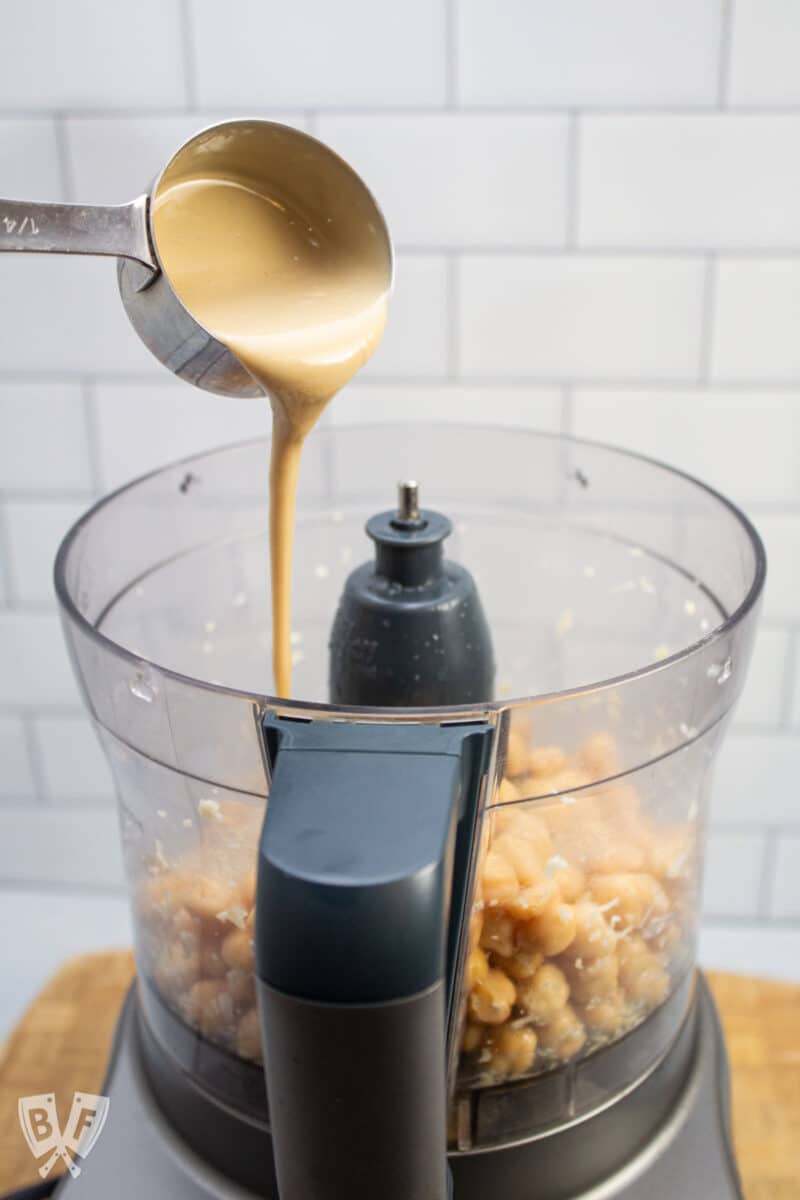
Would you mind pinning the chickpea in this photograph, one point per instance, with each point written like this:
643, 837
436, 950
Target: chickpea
552, 931
594, 938
632, 949
205, 897
546, 760
618, 803
498, 932
507, 792
475, 927
502, 819
531, 829
633, 896
237, 950
186, 931
248, 1036
605, 1014
492, 998
671, 853
157, 899
247, 893
564, 1036
512, 1051
599, 756
531, 901
667, 939
176, 970
610, 853
498, 878
242, 987
644, 979
561, 826
212, 964
521, 855
523, 964
544, 996
571, 779
579, 836
593, 979
473, 1037
209, 1007
570, 882
477, 968
516, 754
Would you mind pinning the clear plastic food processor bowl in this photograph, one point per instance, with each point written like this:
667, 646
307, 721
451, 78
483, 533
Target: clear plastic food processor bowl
622, 600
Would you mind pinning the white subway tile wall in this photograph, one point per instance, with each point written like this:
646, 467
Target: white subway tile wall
424, 170
34, 529
733, 873
29, 159
579, 317
765, 35
16, 777
598, 218
80, 55
578, 53
310, 54
785, 895
755, 307
703, 182
73, 767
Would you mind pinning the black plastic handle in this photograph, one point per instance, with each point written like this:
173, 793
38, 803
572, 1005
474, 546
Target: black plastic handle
355, 902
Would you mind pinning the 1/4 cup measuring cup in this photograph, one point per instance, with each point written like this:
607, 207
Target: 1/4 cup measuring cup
284, 161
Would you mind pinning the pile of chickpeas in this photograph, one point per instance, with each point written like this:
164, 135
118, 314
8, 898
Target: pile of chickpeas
578, 923
197, 918
580, 915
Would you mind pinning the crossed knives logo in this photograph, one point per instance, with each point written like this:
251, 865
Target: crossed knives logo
39, 1121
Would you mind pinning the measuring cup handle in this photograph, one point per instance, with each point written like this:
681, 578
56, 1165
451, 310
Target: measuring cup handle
119, 230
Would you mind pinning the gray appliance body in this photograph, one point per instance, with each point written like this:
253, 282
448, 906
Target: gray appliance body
666, 1139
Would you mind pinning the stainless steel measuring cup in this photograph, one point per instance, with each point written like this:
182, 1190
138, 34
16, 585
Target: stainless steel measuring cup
308, 171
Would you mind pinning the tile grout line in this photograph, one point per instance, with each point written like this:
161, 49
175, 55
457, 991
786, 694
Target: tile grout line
21, 711
92, 433
767, 875
34, 758
752, 828
719, 386
51, 887
707, 316
715, 921
188, 55
38, 495
64, 155
725, 50
632, 109
572, 192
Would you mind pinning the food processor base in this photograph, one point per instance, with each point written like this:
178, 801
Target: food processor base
689, 1154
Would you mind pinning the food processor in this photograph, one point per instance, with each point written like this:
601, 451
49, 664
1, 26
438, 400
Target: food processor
452, 954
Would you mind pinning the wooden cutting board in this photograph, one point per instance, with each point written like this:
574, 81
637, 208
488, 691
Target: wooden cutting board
62, 1043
